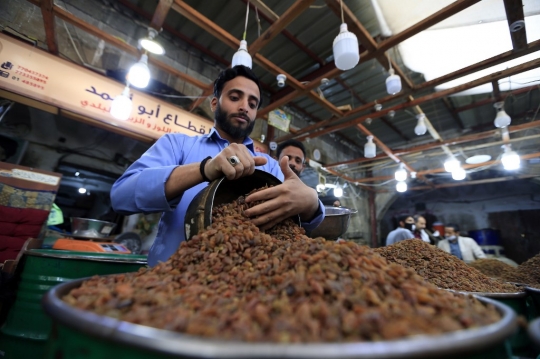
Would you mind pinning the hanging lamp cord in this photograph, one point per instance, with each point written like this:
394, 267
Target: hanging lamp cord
245, 26
342, 17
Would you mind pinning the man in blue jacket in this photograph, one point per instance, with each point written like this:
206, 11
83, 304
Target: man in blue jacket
168, 175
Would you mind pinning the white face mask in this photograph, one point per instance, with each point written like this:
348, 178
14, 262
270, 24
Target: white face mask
450, 238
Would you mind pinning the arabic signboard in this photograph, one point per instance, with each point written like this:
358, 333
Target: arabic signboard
33, 73
279, 119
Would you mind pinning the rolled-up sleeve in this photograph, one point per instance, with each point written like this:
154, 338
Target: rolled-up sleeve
142, 187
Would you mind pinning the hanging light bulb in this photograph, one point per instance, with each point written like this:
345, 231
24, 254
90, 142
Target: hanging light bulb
421, 127
370, 150
451, 164
320, 187
139, 74
149, 44
401, 173
510, 159
242, 56
502, 119
401, 186
121, 105
459, 174
338, 191
346, 50
393, 83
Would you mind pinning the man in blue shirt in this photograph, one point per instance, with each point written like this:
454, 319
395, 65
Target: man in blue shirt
177, 167
403, 231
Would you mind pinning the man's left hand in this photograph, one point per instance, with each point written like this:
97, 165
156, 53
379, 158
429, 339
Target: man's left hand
290, 198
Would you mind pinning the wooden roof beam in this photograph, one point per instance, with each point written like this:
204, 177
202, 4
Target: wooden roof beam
93, 30
48, 22
475, 182
288, 16
206, 24
430, 97
504, 94
514, 13
433, 145
160, 14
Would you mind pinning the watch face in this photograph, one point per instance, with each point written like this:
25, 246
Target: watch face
273, 146
316, 154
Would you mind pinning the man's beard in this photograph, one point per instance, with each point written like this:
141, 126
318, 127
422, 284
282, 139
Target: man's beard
296, 172
224, 122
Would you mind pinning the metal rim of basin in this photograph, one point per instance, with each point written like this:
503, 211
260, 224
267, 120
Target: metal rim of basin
173, 343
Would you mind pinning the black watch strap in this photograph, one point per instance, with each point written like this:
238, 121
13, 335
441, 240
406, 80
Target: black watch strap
201, 168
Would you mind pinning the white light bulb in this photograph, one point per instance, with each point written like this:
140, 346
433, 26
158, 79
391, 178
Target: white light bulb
121, 105
370, 150
401, 174
242, 56
459, 174
139, 74
510, 160
401, 186
338, 191
82, 190
451, 165
320, 187
393, 83
421, 127
346, 50
502, 119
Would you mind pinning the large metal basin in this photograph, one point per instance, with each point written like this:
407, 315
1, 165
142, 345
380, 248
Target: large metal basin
199, 212
335, 223
79, 331
90, 228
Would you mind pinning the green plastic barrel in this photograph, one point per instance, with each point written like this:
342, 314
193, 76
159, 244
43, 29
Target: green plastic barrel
534, 302
26, 329
79, 334
520, 342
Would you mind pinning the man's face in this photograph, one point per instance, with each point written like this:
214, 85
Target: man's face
409, 222
449, 232
421, 223
296, 158
236, 108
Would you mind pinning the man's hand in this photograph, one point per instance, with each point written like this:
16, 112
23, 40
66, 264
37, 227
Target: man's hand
220, 166
290, 198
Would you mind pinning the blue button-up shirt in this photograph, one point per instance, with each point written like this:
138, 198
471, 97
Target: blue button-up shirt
454, 248
142, 187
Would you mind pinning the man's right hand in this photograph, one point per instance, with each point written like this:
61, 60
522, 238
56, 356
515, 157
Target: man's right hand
220, 165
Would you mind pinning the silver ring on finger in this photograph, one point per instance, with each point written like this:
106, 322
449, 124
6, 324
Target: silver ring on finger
233, 160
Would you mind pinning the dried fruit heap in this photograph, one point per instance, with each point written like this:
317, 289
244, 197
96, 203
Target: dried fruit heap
442, 269
234, 282
527, 272
493, 268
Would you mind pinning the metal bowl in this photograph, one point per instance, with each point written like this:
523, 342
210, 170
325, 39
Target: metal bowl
335, 223
90, 228
162, 343
199, 212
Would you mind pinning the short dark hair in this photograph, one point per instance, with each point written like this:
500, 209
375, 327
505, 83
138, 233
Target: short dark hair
453, 225
229, 74
293, 143
417, 217
403, 218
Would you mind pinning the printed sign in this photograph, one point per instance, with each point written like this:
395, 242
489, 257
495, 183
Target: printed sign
279, 119
31, 72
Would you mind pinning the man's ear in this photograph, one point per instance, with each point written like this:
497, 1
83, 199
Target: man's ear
213, 104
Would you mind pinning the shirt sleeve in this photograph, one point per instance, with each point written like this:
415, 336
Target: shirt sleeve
478, 252
142, 187
319, 217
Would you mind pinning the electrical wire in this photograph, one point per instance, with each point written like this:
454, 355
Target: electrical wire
342, 17
245, 26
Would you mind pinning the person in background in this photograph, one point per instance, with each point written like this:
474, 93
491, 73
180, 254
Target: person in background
296, 152
403, 231
337, 204
168, 176
421, 232
464, 248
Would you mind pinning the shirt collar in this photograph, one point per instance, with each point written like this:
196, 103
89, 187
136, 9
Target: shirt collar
214, 134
